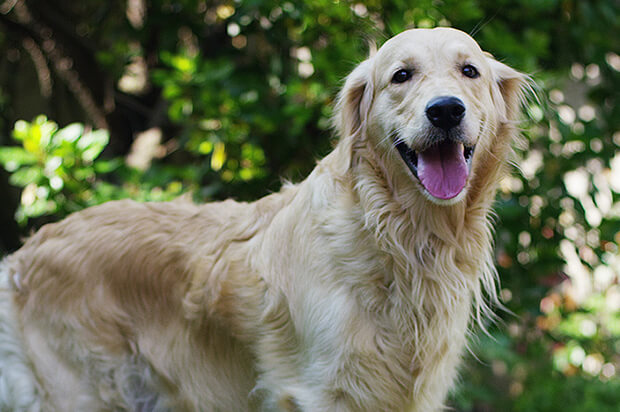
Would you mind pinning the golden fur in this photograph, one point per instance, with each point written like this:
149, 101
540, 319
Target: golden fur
350, 291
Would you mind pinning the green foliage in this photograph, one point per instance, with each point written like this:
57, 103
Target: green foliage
60, 170
247, 90
267, 90
56, 167
525, 380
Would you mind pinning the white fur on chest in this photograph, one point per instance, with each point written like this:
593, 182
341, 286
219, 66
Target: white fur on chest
361, 341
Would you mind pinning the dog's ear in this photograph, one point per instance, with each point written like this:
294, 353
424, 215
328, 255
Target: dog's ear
512, 85
354, 101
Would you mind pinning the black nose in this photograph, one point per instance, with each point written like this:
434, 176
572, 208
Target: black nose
445, 112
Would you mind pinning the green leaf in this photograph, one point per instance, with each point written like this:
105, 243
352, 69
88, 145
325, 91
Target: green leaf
92, 144
69, 134
107, 166
14, 157
21, 130
25, 176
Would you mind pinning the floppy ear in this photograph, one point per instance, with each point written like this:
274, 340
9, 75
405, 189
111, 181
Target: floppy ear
512, 86
354, 100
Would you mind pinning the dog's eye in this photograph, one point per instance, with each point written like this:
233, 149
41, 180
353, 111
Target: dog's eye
402, 76
470, 71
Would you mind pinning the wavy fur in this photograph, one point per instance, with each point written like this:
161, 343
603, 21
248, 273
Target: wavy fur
350, 291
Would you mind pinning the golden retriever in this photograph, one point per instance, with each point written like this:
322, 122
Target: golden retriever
350, 291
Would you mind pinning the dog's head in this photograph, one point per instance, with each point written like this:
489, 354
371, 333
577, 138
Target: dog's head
428, 102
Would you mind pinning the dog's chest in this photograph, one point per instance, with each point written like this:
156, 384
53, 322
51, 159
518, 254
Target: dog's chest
372, 344
373, 326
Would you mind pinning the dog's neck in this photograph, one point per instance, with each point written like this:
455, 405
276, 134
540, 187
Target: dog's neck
427, 244
418, 268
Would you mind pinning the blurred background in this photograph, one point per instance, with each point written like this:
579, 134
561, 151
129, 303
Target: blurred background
103, 100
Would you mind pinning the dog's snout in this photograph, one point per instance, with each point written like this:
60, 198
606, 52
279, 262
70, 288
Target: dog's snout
445, 112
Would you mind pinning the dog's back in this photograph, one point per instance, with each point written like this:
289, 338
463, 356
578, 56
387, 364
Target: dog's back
115, 295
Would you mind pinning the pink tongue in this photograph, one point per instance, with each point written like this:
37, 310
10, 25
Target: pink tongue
442, 170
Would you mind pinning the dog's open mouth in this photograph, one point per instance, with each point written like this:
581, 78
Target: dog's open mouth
442, 168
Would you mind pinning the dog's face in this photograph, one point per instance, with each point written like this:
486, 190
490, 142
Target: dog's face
428, 100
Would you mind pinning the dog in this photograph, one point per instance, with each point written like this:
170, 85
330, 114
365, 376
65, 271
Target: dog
353, 290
